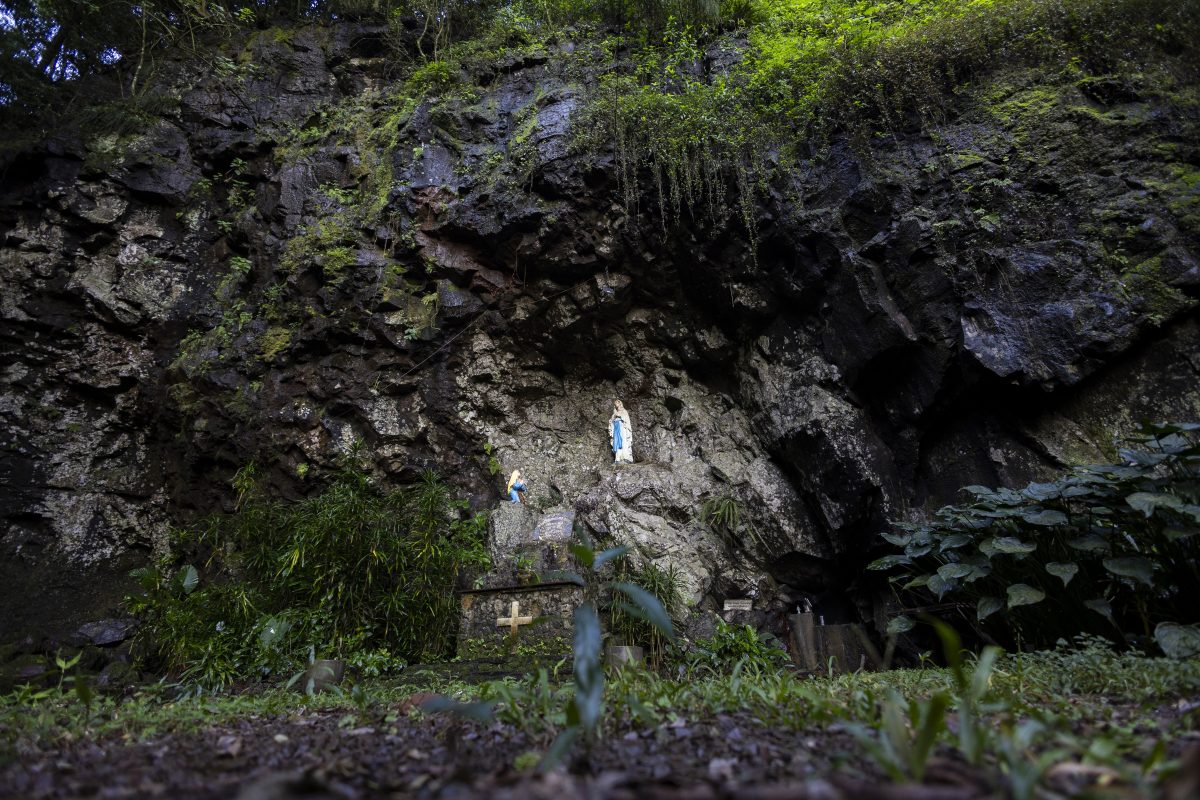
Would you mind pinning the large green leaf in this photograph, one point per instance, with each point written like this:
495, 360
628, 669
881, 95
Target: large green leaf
1064, 570
1101, 607
1178, 641
1141, 457
585, 555
978, 571
954, 541
562, 576
273, 629
609, 555
1136, 567
1045, 516
939, 585
1022, 594
1090, 543
887, 562
189, 579
917, 548
589, 672
987, 606
898, 539
954, 571
1042, 491
1148, 502
899, 625
1011, 544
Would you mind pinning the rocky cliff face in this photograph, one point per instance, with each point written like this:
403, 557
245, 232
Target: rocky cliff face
306, 253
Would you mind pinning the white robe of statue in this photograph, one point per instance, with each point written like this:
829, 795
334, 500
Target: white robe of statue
620, 434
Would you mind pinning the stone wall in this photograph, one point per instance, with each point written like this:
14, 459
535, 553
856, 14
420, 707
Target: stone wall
550, 633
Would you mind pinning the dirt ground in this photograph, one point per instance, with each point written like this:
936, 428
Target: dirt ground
319, 755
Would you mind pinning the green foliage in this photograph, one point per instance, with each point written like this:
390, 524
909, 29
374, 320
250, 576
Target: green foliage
523, 566
357, 572
494, 466
629, 627
1081, 703
732, 646
817, 67
721, 513
1108, 547
724, 515
908, 731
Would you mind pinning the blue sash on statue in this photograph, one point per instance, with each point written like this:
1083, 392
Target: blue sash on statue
617, 442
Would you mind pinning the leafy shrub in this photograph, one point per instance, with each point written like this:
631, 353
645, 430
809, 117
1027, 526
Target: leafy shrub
731, 645
1109, 547
357, 572
665, 586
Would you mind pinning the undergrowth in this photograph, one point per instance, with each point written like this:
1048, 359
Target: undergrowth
1108, 548
1083, 702
355, 572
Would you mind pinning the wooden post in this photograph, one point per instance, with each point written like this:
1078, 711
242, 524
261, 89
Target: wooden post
817, 644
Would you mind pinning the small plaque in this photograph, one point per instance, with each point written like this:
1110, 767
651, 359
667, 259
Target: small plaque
739, 605
554, 527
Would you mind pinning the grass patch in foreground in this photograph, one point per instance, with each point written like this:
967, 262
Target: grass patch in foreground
1014, 719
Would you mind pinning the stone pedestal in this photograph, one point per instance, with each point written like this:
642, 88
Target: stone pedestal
526, 549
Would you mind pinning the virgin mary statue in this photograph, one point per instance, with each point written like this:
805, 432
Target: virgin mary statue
620, 434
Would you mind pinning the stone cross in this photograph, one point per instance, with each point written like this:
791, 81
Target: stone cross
514, 619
